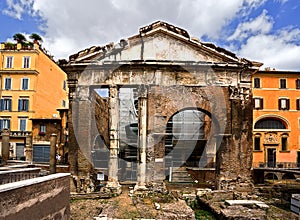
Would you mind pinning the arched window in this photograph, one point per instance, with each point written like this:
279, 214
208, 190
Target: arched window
269, 123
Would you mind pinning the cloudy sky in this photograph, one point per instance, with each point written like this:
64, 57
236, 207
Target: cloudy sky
267, 31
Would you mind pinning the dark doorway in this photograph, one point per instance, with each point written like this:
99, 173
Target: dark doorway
271, 157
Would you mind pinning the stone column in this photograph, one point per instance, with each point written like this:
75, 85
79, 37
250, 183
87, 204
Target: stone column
5, 146
29, 149
142, 138
113, 166
52, 165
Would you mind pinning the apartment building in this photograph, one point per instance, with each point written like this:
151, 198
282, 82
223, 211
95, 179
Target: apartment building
276, 119
33, 99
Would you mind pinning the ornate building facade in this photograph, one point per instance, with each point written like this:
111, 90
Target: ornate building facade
276, 119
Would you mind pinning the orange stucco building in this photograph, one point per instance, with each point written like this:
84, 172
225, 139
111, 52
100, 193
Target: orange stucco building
32, 89
276, 119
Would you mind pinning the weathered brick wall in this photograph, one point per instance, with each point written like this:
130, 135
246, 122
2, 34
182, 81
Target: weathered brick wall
234, 158
40, 198
52, 127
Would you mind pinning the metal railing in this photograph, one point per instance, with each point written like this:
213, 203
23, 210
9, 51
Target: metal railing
276, 165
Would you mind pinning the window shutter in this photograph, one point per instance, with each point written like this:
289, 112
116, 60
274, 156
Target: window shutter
1, 104
26, 84
287, 104
261, 103
9, 104
26, 104
7, 83
297, 83
20, 105
279, 104
256, 82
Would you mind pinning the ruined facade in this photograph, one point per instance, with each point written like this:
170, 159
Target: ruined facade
187, 103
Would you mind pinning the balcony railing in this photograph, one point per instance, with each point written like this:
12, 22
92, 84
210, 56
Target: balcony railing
12, 46
276, 165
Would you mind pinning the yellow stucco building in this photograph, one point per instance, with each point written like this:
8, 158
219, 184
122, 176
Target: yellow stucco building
276, 119
33, 88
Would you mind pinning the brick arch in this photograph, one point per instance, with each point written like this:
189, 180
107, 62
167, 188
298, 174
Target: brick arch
165, 102
288, 176
207, 113
269, 176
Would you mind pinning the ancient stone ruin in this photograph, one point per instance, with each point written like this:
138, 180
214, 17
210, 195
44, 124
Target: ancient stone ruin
157, 101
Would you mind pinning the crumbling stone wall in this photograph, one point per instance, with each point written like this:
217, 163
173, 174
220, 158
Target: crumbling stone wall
234, 158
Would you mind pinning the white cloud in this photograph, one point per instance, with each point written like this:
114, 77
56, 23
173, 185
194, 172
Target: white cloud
276, 51
15, 8
71, 25
260, 25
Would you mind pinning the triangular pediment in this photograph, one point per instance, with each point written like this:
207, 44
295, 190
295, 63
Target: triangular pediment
160, 42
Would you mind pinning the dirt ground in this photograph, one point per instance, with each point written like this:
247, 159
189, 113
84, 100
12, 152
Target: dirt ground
126, 207
120, 207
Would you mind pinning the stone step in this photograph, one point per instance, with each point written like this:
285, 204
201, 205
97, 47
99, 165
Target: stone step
181, 176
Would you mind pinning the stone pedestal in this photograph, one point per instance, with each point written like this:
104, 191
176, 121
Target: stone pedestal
29, 149
5, 146
52, 164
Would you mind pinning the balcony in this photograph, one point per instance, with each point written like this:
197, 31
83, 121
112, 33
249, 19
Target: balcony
12, 46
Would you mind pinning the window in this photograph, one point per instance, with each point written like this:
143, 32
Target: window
282, 83
269, 123
26, 62
4, 123
7, 83
256, 82
258, 103
257, 142
43, 129
22, 124
9, 62
298, 104
63, 103
297, 83
283, 104
284, 145
5, 104
25, 84
64, 85
23, 105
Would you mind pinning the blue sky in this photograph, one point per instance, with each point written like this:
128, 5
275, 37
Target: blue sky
267, 31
